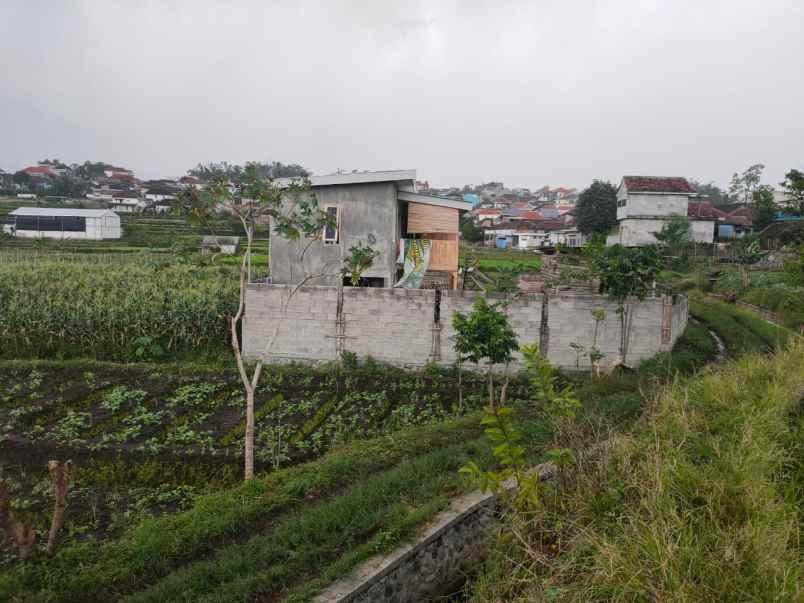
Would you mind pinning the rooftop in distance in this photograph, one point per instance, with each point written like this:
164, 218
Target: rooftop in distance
356, 177
657, 184
62, 211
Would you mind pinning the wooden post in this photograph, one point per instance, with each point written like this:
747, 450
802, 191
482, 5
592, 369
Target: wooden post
60, 473
21, 535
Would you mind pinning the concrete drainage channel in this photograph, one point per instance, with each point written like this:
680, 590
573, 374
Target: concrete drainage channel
433, 565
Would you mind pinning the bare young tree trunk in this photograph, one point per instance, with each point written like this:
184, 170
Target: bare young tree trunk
249, 384
248, 447
491, 386
504, 388
625, 312
22, 535
629, 319
60, 473
460, 382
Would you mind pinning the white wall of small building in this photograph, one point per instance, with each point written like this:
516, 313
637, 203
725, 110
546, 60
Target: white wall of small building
636, 232
703, 231
551, 238
650, 204
97, 229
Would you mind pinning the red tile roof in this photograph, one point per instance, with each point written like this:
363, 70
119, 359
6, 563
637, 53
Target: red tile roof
653, 184
37, 169
743, 216
701, 209
747, 212
541, 225
530, 215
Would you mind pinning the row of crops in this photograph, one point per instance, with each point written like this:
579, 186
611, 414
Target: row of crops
144, 310
148, 440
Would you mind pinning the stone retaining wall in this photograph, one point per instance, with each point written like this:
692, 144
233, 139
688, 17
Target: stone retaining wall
434, 564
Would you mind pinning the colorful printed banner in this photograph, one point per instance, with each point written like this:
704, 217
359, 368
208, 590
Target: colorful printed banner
416, 254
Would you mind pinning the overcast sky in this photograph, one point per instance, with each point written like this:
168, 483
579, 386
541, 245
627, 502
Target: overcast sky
530, 93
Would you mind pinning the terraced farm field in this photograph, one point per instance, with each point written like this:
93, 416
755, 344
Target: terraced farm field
149, 438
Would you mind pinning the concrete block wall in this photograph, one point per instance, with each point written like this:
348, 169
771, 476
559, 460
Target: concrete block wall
393, 325
396, 325
571, 321
681, 314
309, 329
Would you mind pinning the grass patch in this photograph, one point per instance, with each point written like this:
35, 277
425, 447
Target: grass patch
527, 263
156, 546
391, 503
700, 502
742, 331
692, 350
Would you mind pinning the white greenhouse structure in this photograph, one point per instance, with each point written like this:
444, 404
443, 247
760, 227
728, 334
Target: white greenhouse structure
62, 223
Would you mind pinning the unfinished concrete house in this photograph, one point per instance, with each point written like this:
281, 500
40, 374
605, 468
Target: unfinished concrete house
382, 210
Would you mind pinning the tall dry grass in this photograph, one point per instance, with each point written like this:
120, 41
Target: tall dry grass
695, 504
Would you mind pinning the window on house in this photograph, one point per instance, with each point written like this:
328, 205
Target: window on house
331, 231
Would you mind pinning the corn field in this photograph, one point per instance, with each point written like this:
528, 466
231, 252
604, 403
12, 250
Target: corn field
57, 308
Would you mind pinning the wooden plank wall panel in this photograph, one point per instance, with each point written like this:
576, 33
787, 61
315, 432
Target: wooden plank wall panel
431, 218
444, 254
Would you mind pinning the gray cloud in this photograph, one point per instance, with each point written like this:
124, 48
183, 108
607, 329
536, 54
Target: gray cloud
527, 92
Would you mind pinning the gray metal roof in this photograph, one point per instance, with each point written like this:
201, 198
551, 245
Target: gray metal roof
432, 200
355, 178
62, 211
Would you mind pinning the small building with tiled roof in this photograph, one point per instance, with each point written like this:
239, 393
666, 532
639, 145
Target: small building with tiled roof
38, 171
646, 203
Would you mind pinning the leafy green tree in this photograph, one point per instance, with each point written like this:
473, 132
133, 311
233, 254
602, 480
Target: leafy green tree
65, 186
676, 233
470, 232
626, 274
360, 259
266, 170
747, 252
596, 210
794, 270
559, 404
744, 184
91, 169
793, 185
764, 206
293, 211
716, 195
22, 178
485, 334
